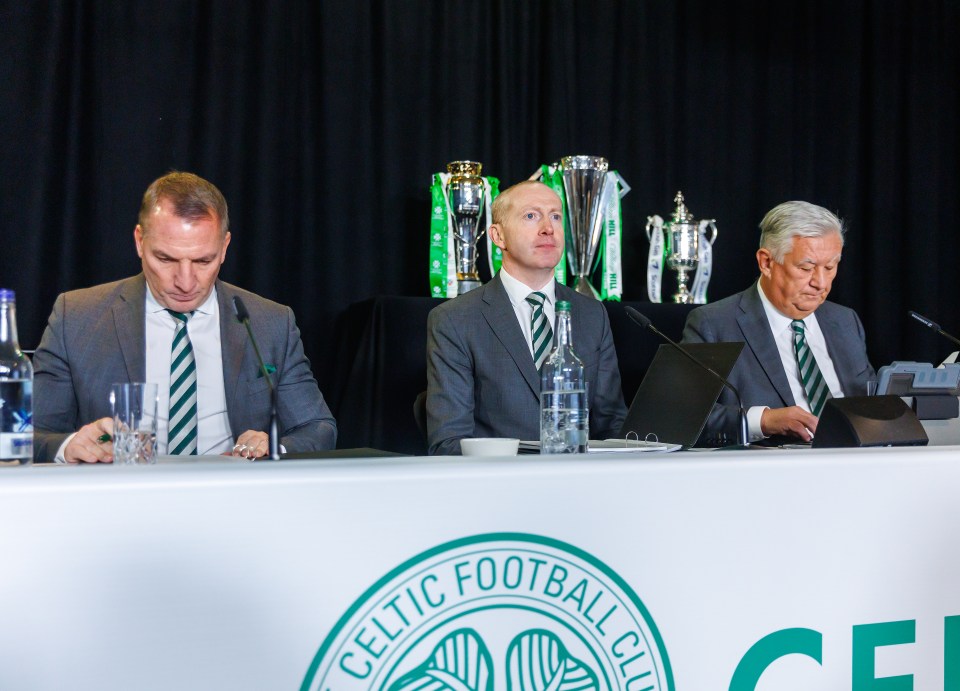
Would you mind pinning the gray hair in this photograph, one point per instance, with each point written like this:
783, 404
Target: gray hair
786, 221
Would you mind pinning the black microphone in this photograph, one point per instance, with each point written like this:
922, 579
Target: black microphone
930, 324
643, 321
243, 316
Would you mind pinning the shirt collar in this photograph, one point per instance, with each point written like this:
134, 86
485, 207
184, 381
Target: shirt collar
206, 307
518, 292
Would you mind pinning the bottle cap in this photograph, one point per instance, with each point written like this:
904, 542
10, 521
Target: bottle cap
563, 306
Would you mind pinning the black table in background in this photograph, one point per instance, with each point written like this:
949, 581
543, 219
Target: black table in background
382, 365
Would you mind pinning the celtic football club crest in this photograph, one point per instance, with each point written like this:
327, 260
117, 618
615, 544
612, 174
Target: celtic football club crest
497, 612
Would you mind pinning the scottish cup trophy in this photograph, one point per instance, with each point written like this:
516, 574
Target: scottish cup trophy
586, 186
466, 205
688, 248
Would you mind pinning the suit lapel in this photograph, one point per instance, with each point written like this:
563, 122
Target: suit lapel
577, 324
834, 336
756, 331
502, 320
128, 319
233, 343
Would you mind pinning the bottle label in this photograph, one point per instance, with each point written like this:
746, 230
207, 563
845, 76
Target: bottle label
16, 446
16, 419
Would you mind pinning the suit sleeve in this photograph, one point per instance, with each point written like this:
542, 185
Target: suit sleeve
607, 408
304, 419
724, 419
863, 371
450, 386
55, 410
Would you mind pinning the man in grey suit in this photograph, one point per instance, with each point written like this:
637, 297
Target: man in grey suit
800, 349
174, 324
482, 379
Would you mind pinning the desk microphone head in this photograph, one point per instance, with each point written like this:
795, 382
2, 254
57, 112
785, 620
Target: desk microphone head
240, 309
929, 323
636, 316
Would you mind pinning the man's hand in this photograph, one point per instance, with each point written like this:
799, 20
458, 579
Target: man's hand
252, 445
793, 422
86, 447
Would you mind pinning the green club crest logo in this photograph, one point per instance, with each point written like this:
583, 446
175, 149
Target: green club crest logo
496, 612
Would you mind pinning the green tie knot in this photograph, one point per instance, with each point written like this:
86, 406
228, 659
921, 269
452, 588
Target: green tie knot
180, 316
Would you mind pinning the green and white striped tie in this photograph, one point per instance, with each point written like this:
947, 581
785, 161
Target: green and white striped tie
814, 384
182, 425
541, 334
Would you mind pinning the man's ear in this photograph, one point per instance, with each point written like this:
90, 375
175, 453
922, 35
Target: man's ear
764, 261
496, 234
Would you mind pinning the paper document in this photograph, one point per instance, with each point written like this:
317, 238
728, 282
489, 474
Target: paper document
610, 446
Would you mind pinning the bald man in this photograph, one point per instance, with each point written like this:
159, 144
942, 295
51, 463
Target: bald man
482, 376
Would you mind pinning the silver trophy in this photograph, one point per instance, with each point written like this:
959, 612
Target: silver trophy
683, 247
466, 204
586, 185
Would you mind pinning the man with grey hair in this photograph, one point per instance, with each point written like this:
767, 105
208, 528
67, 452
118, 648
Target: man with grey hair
800, 349
174, 325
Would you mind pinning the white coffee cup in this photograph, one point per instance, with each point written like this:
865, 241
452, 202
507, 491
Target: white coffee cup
489, 446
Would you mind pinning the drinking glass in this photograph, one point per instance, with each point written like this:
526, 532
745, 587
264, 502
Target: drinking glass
134, 423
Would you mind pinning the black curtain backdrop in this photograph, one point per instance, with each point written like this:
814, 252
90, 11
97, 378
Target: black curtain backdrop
323, 121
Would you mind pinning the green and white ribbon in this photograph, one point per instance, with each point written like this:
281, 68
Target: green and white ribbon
491, 188
611, 287
443, 254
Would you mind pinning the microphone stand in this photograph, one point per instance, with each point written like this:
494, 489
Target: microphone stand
244, 318
743, 435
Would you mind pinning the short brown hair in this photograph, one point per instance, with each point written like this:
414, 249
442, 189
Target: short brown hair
193, 198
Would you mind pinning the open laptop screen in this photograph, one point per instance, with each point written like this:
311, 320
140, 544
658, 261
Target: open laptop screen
676, 396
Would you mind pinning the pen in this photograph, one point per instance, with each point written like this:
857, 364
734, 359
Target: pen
103, 438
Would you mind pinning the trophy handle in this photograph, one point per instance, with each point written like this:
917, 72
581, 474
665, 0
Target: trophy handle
712, 224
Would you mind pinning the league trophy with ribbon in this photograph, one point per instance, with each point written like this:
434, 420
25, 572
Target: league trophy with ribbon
591, 194
461, 199
685, 245
587, 187
465, 206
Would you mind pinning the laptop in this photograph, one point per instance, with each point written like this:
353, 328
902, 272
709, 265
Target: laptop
676, 396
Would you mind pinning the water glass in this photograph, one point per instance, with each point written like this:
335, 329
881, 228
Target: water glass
134, 423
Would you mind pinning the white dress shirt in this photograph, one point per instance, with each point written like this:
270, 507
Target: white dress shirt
518, 292
213, 424
783, 336
203, 327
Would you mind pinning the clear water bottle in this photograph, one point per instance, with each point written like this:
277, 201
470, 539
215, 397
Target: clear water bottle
564, 412
16, 389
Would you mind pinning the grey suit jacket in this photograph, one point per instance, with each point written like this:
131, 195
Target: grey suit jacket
481, 378
97, 336
759, 374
